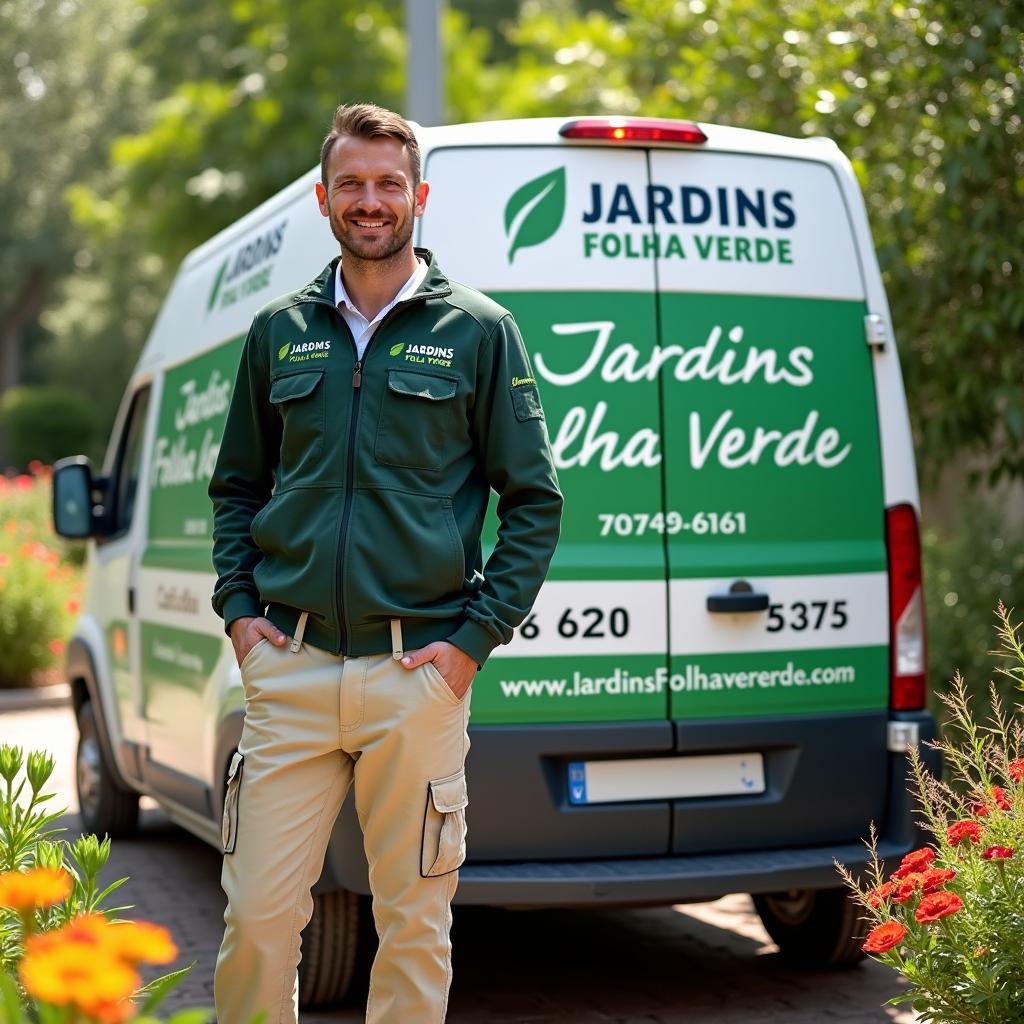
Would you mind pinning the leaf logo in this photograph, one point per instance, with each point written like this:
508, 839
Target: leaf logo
215, 290
535, 211
283, 350
396, 350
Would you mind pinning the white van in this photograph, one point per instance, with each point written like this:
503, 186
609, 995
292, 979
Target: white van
718, 683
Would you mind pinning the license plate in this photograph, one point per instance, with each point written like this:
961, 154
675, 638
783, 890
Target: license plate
665, 778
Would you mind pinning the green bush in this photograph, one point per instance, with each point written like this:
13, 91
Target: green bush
40, 582
965, 576
46, 423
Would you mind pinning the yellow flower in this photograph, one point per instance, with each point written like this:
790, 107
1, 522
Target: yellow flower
24, 891
141, 942
78, 974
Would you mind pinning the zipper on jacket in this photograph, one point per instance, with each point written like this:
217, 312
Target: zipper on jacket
350, 469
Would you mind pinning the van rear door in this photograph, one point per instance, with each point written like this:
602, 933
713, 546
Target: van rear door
773, 481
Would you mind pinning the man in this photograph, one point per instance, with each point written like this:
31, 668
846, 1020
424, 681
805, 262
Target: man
349, 494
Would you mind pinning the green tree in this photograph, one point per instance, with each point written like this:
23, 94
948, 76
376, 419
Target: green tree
65, 85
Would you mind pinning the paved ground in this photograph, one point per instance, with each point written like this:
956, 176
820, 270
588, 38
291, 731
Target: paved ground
696, 964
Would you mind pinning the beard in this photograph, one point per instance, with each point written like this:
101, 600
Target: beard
384, 248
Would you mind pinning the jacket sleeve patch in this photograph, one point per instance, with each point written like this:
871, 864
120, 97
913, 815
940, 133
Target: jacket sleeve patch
526, 402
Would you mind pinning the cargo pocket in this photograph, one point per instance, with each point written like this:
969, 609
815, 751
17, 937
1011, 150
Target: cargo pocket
229, 825
444, 826
418, 423
299, 400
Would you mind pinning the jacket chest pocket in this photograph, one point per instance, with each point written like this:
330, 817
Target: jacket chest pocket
299, 401
419, 423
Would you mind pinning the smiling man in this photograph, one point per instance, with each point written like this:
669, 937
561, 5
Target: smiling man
374, 411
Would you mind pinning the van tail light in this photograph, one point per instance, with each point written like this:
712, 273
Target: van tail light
907, 691
632, 129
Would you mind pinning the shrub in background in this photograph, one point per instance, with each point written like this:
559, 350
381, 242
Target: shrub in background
965, 576
46, 423
40, 580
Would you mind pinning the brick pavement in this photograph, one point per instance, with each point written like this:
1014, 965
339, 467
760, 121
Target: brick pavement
696, 964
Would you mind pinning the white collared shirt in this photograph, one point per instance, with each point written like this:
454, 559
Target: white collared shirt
361, 328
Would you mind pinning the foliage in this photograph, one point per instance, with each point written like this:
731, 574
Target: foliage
950, 918
40, 580
74, 961
925, 100
965, 574
45, 423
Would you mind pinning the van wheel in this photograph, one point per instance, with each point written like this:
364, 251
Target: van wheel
332, 946
105, 806
814, 927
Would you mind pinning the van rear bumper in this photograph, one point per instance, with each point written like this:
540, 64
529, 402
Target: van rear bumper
661, 880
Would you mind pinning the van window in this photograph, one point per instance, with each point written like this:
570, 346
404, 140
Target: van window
124, 479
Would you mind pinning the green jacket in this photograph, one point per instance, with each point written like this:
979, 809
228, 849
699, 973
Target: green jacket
357, 492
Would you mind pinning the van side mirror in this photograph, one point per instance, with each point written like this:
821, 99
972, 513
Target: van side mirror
72, 498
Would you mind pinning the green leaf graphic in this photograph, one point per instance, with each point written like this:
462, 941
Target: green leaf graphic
534, 212
396, 350
214, 291
283, 350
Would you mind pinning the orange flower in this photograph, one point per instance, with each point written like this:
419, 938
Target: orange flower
1017, 770
936, 906
883, 892
934, 878
141, 942
884, 937
961, 830
981, 810
11, 525
916, 861
79, 974
23, 891
23, 482
56, 646
906, 887
73, 606
5, 560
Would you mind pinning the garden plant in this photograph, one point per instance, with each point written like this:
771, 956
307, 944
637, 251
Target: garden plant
950, 918
65, 958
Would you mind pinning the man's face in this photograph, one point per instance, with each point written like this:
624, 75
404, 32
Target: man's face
369, 199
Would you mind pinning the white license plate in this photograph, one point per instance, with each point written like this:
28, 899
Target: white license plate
665, 778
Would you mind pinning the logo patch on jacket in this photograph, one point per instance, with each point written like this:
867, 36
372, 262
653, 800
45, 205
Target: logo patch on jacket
427, 355
303, 350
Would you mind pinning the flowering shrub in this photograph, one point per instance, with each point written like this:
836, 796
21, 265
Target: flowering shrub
64, 959
950, 918
40, 580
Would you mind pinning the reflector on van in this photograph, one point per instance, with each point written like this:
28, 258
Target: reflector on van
632, 129
906, 610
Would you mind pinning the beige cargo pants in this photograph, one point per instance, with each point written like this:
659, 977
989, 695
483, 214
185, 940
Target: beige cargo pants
315, 723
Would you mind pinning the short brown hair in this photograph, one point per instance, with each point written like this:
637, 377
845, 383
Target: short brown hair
367, 121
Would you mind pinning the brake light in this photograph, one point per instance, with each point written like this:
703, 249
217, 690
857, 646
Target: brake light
907, 691
632, 129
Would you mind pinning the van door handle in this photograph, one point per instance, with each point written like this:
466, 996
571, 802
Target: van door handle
131, 600
741, 598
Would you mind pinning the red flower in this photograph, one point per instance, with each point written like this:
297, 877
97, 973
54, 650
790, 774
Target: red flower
883, 892
906, 887
884, 937
23, 482
961, 830
1017, 770
916, 861
1001, 801
935, 878
997, 853
937, 905
56, 646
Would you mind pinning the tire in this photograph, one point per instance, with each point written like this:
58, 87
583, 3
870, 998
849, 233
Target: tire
334, 946
819, 928
106, 807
